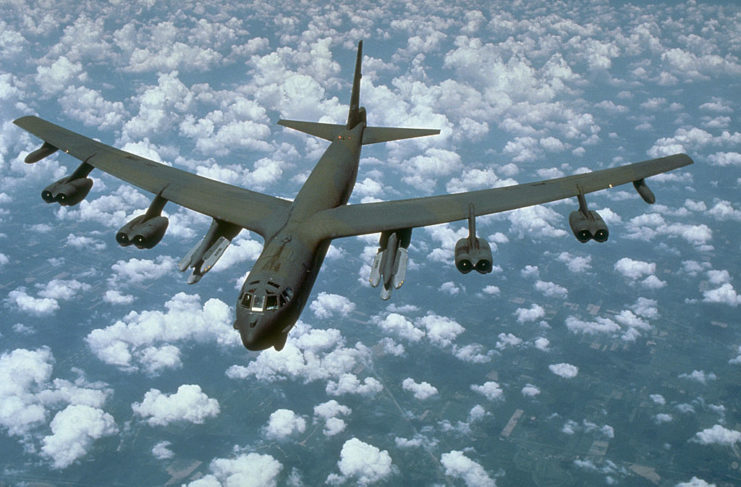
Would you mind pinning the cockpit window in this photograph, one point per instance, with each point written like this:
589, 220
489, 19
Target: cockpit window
258, 304
259, 299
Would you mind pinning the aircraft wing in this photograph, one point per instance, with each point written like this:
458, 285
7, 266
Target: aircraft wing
247, 209
349, 220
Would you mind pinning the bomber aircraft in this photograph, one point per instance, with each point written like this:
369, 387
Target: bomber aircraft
297, 233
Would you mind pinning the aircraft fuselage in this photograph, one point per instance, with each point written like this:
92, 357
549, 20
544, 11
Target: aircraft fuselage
278, 286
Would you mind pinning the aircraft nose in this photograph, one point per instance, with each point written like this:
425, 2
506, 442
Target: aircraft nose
252, 334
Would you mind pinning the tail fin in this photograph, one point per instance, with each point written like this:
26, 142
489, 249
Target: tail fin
356, 115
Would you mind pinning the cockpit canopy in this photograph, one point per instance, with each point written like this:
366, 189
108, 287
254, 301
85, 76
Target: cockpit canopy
258, 296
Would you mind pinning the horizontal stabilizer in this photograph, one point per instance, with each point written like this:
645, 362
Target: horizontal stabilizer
327, 131
373, 135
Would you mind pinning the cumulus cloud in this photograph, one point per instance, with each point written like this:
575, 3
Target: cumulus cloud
533, 313
161, 451
28, 394
567, 371
128, 343
309, 355
695, 482
189, 404
248, 470
699, 376
362, 464
530, 390
74, 430
459, 466
284, 423
421, 390
134, 271
441, 330
350, 384
718, 435
398, 325
491, 390
327, 305
329, 412
26, 303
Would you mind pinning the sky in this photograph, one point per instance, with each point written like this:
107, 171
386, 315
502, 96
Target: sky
114, 370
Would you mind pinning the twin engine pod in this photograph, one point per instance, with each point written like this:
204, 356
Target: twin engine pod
142, 232
473, 253
67, 191
588, 226
145, 231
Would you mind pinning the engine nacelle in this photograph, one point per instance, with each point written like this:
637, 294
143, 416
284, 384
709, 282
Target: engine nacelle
473, 253
67, 192
142, 232
588, 226
44, 151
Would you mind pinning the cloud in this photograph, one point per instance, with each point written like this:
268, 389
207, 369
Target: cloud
161, 451
28, 394
699, 376
398, 325
490, 390
74, 430
551, 289
188, 404
695, 482
440, 329
567, 371
135, 271
507, 340
530, 390
248, 470
542, 343
535, 222
421, 390
127, 343
717, 435
348, 383
362, 464
327, 305
634, 269
725, 294
526, 315
459, 466
31, 305
329, 412
284, 423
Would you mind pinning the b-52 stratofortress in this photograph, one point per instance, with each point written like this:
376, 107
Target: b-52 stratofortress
298, 233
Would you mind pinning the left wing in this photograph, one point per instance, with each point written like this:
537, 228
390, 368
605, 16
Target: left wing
349, 220
244, 208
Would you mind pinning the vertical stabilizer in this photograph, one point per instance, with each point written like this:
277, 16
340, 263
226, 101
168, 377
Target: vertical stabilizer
356, 114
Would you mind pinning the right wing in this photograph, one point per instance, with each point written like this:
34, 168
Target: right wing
349, 220
244, 208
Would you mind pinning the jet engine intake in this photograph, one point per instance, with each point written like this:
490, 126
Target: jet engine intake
69, 190
588, 226
144, 233
473, 253
66, 191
